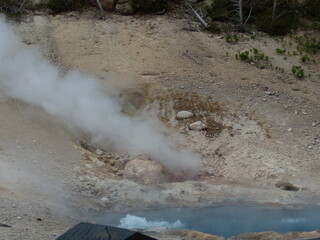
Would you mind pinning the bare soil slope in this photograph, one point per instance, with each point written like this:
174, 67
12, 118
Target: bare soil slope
263, 132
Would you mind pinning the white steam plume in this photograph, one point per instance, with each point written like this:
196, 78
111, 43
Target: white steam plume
77, 100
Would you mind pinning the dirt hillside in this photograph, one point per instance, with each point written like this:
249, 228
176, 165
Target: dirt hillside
262, 123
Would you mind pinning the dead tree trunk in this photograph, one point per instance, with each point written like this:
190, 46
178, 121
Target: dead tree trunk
274, 9
101, 9
238, 4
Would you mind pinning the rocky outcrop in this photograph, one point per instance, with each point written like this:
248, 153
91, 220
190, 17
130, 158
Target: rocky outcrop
124, 7
145, 172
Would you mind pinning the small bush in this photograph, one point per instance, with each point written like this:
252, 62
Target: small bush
305, 58
231, 38
280, 51
253, 55
297, 71
311, 46
243, 56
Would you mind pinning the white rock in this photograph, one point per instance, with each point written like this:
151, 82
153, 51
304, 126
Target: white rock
198, 126
184, 114
99, 152
88, 166
289, 129
105, 199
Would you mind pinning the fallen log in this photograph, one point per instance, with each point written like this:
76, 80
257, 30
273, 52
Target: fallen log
186, 53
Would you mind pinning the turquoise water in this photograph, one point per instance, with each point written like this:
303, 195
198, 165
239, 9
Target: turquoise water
225, 221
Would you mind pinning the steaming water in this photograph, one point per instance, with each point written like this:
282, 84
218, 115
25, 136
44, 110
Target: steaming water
77, 100
224, 221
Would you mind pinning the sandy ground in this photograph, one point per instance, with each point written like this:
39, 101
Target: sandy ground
270, 120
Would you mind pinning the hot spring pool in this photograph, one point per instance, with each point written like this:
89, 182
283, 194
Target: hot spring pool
225, 221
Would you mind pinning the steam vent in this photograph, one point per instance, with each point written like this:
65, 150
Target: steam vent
159, 119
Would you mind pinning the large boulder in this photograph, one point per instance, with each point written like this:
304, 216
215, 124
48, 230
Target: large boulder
184, 115
145, 172
124, 7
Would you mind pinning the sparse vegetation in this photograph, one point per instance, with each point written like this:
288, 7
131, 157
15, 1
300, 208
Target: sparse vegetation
311, 46
280, 51
232, 38
279, 69
253, 55
243, 56
297, 71
305, 58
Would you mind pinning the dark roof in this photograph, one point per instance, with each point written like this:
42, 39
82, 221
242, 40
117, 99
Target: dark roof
89, 231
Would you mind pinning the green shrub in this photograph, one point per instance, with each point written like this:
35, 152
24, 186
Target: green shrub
148, 6
243, 56
305, 58
310, 9
311, 46
280, 51
280, 26
220, 10
59, 6
253, 55
297, 71
231, 38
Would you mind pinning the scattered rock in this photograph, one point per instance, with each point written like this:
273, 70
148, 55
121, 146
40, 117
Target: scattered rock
286, 186
88, 166
184, 114
97, 161
202, 174
99, 152
289, 129
4, 225
269, 93
198, 126
145, 172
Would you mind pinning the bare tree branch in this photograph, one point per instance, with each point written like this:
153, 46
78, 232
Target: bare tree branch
197, 15
248, 17
186, 53
21, 6
101, 9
